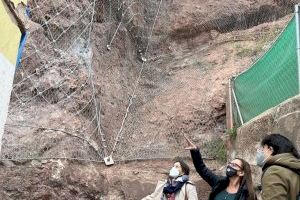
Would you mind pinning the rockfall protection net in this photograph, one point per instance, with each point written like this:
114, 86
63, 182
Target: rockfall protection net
80, 90
55, 108
52, 108
272, 79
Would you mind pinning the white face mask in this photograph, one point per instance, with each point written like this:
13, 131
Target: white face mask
174, 173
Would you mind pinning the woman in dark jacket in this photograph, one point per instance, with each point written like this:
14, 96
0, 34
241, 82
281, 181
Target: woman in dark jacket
236, 185
280, 162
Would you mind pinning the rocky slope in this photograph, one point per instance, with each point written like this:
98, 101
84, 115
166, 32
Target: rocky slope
194, 48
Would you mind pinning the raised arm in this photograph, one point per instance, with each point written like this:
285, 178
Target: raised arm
200, 167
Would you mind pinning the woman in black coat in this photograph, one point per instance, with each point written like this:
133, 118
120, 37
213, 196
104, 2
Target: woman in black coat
236, 185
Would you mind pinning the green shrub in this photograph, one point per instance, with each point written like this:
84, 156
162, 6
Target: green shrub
232, 132
215, 148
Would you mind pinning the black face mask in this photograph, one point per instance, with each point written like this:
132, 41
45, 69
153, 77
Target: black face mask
230, 172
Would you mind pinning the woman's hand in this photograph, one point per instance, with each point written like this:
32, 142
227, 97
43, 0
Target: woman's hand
191, 145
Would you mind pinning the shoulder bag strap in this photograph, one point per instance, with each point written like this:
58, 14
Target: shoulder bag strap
185, 196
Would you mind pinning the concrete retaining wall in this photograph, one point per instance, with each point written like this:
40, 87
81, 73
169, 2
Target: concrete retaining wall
284, 119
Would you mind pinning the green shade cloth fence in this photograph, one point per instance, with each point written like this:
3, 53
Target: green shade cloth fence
271, 80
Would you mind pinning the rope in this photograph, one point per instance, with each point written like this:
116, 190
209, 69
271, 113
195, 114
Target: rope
119, 25
69, 70
93, 90
119, 134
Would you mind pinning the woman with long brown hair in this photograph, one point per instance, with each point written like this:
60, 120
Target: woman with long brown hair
236, 185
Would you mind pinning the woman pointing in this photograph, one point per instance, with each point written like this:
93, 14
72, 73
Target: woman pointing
236, 185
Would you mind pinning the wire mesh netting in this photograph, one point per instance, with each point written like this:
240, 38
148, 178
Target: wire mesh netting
54, 110
271, 80
54, 79
87, 71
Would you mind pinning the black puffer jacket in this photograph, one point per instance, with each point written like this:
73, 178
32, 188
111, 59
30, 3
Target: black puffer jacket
217, 183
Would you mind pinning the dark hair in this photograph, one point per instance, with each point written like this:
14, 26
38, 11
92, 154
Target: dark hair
247, 179
280, 144
185, 168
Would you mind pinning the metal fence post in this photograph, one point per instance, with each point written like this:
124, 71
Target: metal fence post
229, 118
237, 105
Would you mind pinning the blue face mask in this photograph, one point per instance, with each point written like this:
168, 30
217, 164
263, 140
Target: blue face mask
260, 158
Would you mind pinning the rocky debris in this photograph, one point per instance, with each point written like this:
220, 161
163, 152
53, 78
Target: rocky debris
59, 179
55, 179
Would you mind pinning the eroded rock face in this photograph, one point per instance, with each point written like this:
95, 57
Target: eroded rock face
58, 179
191, 55
180, 89
53, 180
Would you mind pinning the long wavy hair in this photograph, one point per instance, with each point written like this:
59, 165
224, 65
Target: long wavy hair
247, 179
